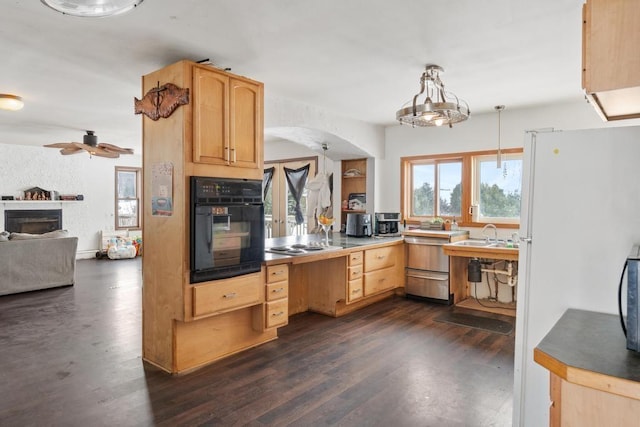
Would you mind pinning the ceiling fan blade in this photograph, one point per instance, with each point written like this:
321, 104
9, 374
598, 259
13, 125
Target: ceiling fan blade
115, 148
97, 151
70, 150
59, 145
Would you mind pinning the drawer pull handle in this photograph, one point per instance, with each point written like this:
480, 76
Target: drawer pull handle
275, 291
278, 314
276, 273
355, 291
231, 295
380, 256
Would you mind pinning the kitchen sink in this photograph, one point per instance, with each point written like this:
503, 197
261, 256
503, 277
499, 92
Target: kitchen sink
471, 242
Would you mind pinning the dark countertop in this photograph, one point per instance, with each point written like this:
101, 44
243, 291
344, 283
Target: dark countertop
589, 341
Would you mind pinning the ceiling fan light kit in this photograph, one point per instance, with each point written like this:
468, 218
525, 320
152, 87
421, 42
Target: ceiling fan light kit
92, 8
10, 102
439, 107
90, 144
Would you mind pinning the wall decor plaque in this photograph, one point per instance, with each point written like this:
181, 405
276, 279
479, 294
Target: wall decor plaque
161, 101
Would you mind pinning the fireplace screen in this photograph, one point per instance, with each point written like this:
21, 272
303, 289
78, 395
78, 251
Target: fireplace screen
34, 221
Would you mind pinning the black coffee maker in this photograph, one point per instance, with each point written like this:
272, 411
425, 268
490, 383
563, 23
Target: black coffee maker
387, 223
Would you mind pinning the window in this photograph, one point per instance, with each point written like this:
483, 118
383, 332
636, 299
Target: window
437, 188
449, 185
497, 190
128, 194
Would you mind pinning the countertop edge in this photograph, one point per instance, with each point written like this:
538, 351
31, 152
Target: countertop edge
563, 357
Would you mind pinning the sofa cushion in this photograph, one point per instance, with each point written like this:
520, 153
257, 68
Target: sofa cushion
4, 236
49, 235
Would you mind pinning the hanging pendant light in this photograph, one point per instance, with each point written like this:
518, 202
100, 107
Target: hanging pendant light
10, 102
439, 107
92, 8
499, 109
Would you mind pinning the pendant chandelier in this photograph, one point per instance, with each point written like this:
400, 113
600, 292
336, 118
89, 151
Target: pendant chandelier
92, 8
439, 107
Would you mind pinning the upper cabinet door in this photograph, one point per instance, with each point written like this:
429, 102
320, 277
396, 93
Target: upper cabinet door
245, 123
210, 117
227, 119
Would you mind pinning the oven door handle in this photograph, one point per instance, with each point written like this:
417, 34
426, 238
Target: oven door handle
210, 232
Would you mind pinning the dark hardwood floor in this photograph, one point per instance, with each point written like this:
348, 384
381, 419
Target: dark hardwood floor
72, 357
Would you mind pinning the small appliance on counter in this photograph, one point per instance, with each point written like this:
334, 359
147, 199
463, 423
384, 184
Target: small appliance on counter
632, 328
387, 224
359, 225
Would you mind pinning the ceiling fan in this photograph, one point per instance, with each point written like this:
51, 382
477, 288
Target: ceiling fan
90, 144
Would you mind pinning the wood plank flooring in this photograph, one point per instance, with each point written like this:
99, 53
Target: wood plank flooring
71, 357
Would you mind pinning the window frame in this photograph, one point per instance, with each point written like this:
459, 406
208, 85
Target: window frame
468, 185
137, 198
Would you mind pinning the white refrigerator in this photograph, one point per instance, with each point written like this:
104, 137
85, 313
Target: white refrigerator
580, 217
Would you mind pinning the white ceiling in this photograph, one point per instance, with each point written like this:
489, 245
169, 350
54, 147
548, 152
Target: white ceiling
356, 58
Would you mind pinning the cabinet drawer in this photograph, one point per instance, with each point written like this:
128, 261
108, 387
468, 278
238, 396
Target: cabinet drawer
355, 258
277, 290
277, 273
227, 294
379, 280
277, 313
354, 290
354, 272
375, 259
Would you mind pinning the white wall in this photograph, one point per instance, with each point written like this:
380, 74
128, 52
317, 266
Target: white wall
24, 167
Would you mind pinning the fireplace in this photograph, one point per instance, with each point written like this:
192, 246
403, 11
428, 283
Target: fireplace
34, 221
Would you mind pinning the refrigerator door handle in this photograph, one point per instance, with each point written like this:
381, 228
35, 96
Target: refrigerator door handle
526, 239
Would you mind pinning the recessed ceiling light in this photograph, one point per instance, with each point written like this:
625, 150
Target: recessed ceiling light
10, 102
92, 8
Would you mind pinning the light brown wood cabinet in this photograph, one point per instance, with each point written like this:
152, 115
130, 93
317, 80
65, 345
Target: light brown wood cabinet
227, 294
227, 119
355, 288
611, 57
189, 325
381, 269
277, 290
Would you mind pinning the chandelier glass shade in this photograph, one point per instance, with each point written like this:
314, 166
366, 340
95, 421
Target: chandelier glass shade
439, 106
92, 8
10, 102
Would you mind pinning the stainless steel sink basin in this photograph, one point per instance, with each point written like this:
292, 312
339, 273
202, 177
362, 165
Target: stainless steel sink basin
504, 245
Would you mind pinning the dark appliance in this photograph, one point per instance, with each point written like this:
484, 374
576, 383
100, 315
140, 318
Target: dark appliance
227, 227
427, 272
632, 328
359, 225
387, 223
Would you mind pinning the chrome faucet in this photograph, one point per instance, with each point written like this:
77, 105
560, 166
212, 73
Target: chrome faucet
495, 232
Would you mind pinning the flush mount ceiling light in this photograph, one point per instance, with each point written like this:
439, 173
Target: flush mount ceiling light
92, 8
439, 107
10, 102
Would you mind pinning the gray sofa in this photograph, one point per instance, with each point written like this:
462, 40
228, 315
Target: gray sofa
30, 262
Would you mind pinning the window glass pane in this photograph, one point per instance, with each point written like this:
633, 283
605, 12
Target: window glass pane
450, 191
423, 185
126, 184
128, 213
499, 191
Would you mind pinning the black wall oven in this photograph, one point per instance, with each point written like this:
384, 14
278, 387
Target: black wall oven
227, 227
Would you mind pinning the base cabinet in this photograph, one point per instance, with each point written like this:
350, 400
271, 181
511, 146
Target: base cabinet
277, 291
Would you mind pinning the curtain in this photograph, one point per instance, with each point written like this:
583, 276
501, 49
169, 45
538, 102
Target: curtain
267, 176
296, 179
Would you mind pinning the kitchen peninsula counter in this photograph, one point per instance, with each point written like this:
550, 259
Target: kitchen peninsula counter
352, 273
340, 246
595, 380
